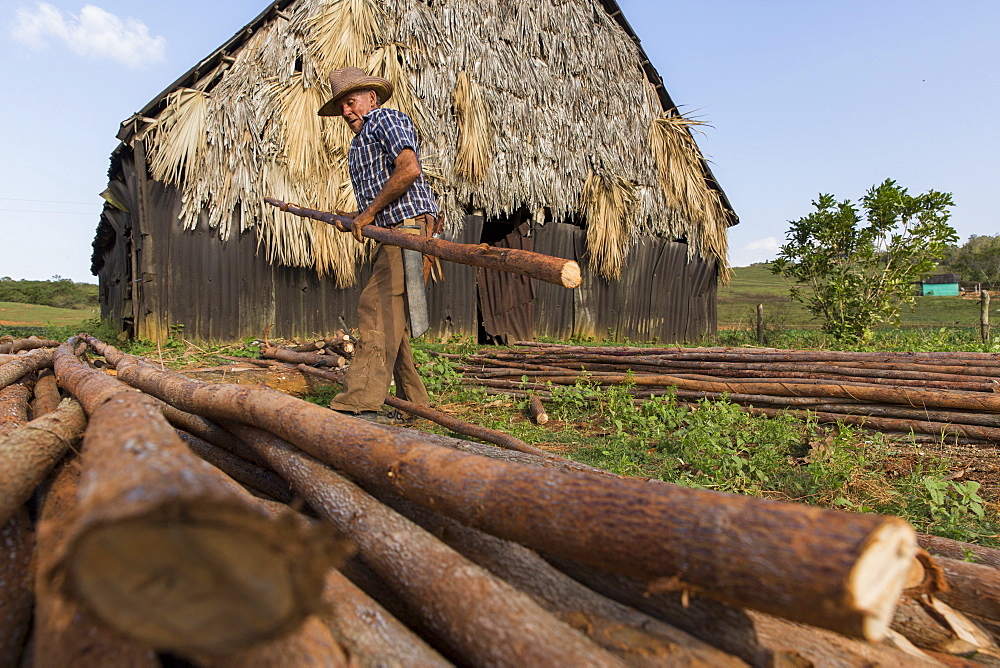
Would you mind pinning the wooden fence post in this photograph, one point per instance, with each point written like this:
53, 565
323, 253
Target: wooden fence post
984, 316
760, 324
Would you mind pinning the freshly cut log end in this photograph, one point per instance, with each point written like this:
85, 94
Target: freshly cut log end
193, 580
878, 577
537, 410
571, 276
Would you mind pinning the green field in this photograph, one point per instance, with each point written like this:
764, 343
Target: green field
757, 285
13, 314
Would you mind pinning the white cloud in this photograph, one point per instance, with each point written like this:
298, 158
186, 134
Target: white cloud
94, 33
759, 250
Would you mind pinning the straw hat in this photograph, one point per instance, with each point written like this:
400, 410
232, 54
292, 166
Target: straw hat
349, 79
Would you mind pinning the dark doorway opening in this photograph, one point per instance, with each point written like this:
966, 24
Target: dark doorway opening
505, 301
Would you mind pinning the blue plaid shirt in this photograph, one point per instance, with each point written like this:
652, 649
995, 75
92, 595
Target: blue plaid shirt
372, 158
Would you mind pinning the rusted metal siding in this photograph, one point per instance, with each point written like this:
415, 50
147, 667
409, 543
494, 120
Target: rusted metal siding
661, 297
206, 290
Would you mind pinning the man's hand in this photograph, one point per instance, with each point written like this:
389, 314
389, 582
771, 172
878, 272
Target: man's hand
346, 214
360, 221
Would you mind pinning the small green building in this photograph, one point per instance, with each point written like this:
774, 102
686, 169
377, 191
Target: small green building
940, 285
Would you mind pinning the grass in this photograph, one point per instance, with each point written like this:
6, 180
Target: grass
13, 314
737, 305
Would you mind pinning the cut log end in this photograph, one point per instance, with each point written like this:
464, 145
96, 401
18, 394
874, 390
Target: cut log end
570, 275
191, 582
878, 577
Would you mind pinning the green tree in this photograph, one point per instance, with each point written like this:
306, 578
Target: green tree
855, 269
978, 260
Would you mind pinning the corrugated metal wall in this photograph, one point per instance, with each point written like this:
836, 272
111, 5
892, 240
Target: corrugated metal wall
207, 290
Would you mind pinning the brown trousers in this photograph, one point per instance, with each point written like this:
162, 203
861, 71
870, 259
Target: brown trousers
384, 352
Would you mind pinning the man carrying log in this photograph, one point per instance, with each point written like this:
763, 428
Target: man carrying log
391, 192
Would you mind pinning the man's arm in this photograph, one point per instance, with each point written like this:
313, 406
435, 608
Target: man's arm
404, 174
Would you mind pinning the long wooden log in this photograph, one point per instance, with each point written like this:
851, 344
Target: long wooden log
493, 436
485, 620
617, 524
513, 260
63, 635
46, 398
30, 453
286, 355
166, 549
36, 360
11, 347
953, 549
311, 646
757, 638
972, 588
637, 638
930, 624
17, 548
14, 406
244, 472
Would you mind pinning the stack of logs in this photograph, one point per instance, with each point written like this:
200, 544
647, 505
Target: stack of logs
148, 517
943, 394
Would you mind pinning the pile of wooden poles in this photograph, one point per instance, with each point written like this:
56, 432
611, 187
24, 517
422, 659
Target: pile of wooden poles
148, 515
943, 394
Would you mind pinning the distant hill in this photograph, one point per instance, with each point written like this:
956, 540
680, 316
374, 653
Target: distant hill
59, 293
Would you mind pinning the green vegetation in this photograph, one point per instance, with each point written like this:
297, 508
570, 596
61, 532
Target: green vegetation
715, 445
853, 270
59, 292
977, 260
31, 319
737, 314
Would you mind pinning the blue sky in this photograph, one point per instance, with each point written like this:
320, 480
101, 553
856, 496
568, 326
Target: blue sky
802, 97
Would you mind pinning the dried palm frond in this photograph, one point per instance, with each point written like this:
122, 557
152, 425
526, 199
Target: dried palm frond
177, 141
304, 132
686, 190
475, 132
608, 202
345, 32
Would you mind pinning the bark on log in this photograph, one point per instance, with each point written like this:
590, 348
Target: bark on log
36, 360
617, 524
526, 263
372, 637
458, 426
484, 619
953, 549
240, 470
311, 646
538, 413
636, 638
12, 347
46, 398
166, 549
310, 359
757, 638
17, 549
972, 588
14, 406
30, 453
63, 635
208, 431
929, 624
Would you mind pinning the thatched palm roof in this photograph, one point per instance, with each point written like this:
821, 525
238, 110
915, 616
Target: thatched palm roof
519, 104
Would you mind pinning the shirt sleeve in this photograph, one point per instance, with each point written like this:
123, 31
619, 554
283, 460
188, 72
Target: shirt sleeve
395, 131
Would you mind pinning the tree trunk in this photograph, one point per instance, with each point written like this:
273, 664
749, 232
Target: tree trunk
30, 453
929, 624
526, 263
310, 359
240, 470
166, 549
538, 413
13, 371
618, 524
953, 549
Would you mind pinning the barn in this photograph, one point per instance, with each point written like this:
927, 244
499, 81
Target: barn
543, 126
